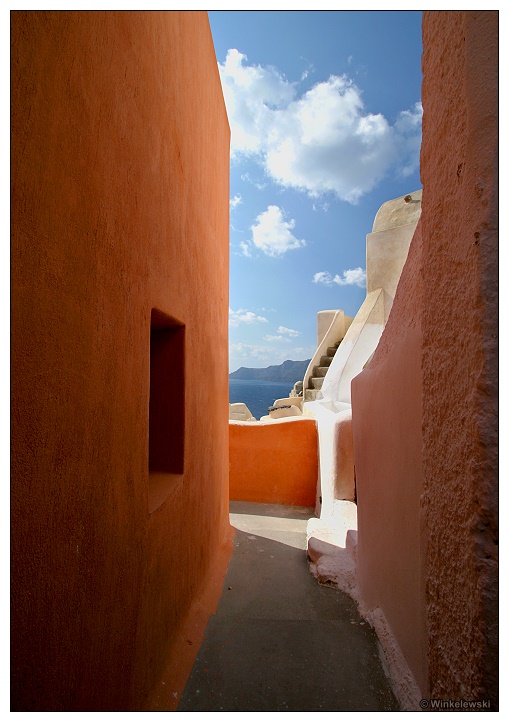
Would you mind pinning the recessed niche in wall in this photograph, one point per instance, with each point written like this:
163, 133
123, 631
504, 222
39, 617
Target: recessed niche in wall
166, 406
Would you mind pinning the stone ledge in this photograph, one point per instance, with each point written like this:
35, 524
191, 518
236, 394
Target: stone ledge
331, 547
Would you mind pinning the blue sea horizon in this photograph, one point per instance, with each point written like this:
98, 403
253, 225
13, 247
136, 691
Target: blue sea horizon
258, 395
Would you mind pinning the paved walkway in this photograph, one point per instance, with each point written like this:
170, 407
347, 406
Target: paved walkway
281, 642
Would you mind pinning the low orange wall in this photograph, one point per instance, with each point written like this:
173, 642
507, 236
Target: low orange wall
274, 463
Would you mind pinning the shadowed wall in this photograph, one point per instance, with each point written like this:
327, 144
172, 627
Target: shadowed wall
425, 410
119, 206
386, 414
460, 350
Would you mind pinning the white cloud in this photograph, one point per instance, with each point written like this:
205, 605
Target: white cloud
245, 249
410, 120
351, 277
243, 316
272, 234
237, 198
289, 331
322, 277
328, 145
251, 93
321, 142
282, 339
408, 126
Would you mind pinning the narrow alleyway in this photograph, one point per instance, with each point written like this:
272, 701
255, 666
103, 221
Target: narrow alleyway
280, 641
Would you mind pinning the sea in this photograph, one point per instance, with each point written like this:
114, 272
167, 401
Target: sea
258, 395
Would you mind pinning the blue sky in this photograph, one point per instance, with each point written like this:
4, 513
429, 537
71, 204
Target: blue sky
325, 116
289, 54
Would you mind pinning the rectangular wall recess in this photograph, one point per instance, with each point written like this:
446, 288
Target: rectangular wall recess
166, 406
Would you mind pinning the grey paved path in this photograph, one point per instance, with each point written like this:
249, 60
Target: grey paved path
281, 642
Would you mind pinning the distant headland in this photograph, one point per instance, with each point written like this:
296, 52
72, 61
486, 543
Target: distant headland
290, 371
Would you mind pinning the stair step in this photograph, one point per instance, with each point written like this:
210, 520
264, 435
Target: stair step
310, 395
331, 350
325, 361
317, 382
320, 370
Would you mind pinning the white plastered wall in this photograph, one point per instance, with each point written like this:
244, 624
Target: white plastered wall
386, 251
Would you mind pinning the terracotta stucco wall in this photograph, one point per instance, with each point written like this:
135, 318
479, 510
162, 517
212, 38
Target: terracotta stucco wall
459, 359
274, 463
425, 411
119, 205
386, 415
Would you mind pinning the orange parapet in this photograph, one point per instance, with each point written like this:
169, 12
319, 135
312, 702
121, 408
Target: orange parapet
274, 463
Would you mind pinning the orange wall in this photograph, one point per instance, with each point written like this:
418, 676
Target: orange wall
460, 350
386, 415
425, 410
119, 205
274, 463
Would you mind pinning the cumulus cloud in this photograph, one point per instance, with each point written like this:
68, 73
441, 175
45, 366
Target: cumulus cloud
237, 198
289, 331
251, 94
323, 277
321, 142
272, 234
243, 316
351, 277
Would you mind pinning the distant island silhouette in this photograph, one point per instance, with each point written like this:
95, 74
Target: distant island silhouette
290, 371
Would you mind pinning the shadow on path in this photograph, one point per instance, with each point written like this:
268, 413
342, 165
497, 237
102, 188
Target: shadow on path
279, 641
